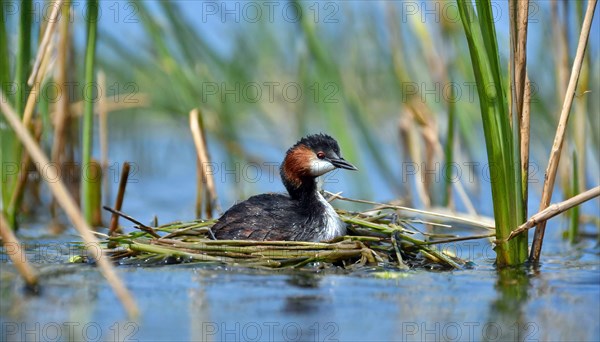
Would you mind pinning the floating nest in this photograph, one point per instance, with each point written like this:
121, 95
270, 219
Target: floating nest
378, 237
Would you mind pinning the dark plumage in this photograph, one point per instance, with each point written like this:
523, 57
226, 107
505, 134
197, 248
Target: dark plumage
264, 217
303, 215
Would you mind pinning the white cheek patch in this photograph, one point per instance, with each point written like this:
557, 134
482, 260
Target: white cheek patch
320, 167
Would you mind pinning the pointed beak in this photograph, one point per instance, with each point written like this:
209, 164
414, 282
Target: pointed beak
342, 164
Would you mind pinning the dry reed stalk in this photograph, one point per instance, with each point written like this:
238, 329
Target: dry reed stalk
44, 47
561, 48
554, 159
525, 136
521, 53
469, 221
412, 147
457, 239
114, 221
405, 135
31, 102
63, 107
76, 108
396, 244
32, 99
17, 255
422, 120
430, 136
202, 151
200, 189
554, 210
520, 108
139, 226
19, 190
563, 65
519, 14
464, 197
63, 197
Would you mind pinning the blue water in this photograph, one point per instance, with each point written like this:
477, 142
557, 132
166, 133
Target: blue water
560, 301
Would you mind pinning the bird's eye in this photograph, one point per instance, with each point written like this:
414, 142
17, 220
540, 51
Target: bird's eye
321, 154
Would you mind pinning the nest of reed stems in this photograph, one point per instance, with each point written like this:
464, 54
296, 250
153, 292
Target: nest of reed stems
377, 237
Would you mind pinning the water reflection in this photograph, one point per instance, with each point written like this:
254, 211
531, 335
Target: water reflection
303, 303
558, 301
304, 280
53, 314
507, 319
198, 311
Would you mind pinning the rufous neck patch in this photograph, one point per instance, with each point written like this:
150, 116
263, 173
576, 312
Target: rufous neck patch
297, 164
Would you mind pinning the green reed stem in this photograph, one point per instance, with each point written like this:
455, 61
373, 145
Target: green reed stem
11, 150
449, 148
23, 56
88, 114
504, 171
7, 135
574, 226
4, 64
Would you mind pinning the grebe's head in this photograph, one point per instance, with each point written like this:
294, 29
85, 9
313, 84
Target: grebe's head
311, 157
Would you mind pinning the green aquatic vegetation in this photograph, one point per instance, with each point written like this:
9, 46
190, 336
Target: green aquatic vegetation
509, 211
89, 184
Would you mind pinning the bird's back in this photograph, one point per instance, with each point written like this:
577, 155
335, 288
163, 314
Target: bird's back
266, 217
